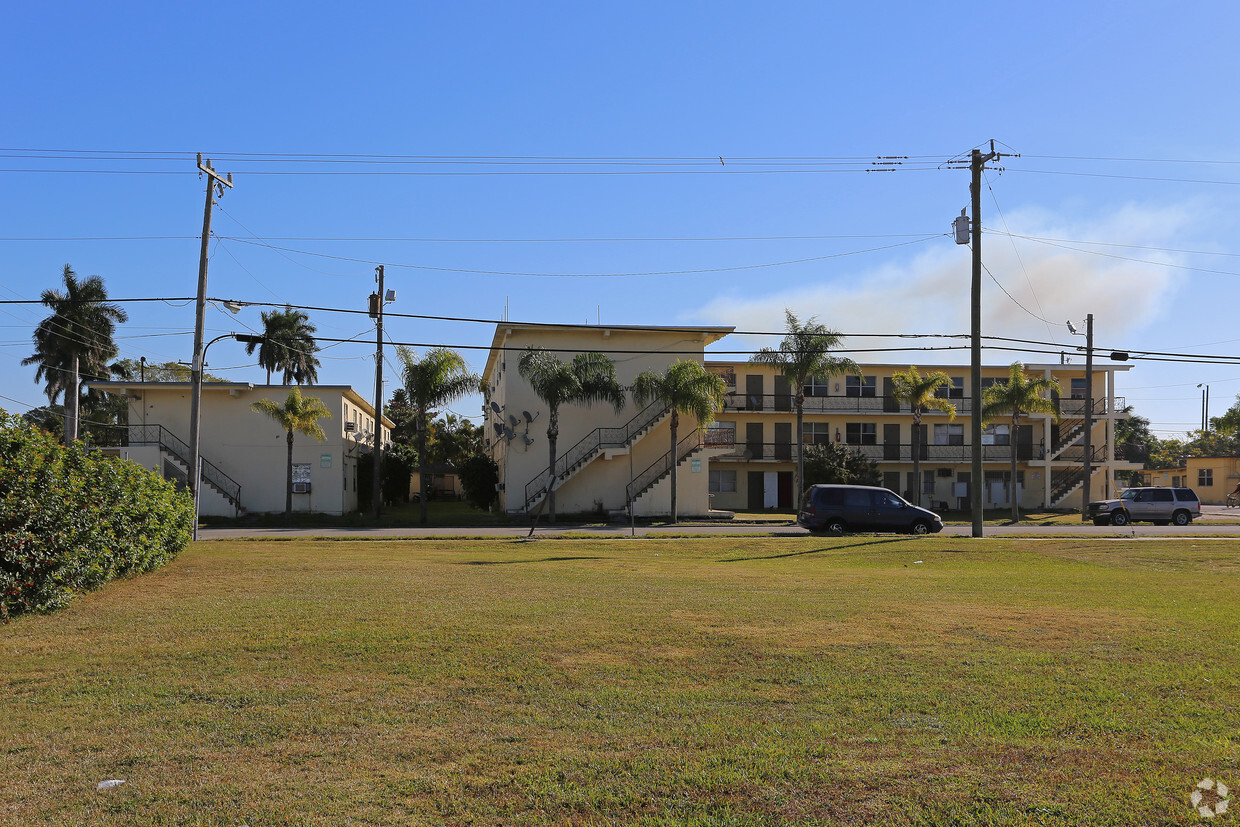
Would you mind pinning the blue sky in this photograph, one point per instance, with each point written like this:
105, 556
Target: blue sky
1074, 88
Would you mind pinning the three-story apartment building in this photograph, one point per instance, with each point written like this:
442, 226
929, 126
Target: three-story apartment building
862, 413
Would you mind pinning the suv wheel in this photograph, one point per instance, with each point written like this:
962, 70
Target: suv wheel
1119, 518
1181, 518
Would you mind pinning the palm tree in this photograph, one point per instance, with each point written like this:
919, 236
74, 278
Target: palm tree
75, 341
436, 379
288, 345
1020, 395
585, 379
300, 414
918, 391
685, 387
805, 352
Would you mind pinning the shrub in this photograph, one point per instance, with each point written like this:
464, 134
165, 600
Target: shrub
71, 519
479, 475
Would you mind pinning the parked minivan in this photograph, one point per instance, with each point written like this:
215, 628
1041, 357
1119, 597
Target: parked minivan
839, 508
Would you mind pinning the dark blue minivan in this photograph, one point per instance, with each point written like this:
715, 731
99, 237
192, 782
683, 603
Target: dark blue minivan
839, 508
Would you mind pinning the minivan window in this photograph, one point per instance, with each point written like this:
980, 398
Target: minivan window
856, 498
831, 496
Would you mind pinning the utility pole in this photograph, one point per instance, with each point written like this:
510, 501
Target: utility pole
1089, 413
376, 310
977, 163
214, 182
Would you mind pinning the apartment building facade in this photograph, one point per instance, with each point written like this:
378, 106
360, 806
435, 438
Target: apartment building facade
861, 413
245, 453
608, 461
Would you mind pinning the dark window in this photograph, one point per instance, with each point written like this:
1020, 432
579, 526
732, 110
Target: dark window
856, 497
953, 391
1161, 495
830, 496
858, 386
1186, 494
861, 433
1205, 477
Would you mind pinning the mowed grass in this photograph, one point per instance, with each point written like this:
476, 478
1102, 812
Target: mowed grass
844, 680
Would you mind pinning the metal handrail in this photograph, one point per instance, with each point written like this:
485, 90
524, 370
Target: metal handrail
130, 435
592, 443
661, 466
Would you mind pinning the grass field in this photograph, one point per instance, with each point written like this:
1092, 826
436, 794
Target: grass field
708, 682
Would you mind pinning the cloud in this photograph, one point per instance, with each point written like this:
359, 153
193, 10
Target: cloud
1053, 279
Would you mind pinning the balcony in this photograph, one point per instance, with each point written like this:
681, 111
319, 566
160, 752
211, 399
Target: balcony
891, 452
783, 403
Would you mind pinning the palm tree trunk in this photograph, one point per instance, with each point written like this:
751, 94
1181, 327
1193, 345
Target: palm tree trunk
288, 482
72, 399
916, 457
423, 488
799, 436
675, 423
1012, 445
553, 433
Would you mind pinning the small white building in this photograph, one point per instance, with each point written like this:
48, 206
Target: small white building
245, 453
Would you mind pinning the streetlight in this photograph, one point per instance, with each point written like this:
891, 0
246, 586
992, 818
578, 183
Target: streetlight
1205, 407
194, 474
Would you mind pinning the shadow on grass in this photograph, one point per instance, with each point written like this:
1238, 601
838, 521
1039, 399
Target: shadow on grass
860, 544
540, 560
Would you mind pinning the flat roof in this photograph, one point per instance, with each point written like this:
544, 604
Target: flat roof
345, 390
709, 333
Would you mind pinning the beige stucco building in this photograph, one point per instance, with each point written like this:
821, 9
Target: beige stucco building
245, 453
1213, 478
606, 460
861, 413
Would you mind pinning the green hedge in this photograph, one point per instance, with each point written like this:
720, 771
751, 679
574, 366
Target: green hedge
71, 519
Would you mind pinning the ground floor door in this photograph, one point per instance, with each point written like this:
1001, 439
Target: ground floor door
784, 484
770, 489
755, 497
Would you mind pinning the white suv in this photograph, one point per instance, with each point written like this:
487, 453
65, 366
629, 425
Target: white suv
1159, 506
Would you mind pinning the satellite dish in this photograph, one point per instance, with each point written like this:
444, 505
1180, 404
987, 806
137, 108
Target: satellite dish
512, 420
527, 416
495, 407
508, 432
528, 439
499, 428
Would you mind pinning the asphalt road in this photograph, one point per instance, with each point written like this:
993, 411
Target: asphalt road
1216, 521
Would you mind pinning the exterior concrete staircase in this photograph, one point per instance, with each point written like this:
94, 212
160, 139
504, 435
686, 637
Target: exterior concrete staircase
590, 447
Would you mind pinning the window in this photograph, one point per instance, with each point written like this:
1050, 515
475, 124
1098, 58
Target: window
949, 434
997, 435
816, 433
953, 391
817, 386
860, 386
1078, 388
993, 380
722, 482
1205, 477
861, 433
927, 482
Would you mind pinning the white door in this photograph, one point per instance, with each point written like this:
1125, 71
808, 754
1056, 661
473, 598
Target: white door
770, 489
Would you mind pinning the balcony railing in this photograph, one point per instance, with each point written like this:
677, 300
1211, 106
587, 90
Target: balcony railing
888, 452
781, 403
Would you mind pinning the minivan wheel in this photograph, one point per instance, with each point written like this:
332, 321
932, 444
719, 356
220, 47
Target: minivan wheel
1181, 518
921, 527
1119, 518
835, 526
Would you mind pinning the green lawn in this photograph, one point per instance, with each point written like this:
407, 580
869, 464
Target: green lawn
712, 682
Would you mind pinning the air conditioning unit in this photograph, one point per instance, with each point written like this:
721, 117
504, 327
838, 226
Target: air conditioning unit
301, 488
350, 426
